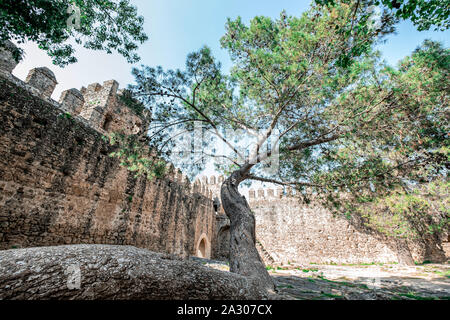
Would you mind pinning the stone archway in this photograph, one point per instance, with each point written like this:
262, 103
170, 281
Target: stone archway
107, 123
203, 247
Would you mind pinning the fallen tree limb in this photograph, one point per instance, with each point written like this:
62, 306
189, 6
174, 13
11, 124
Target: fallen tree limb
103, 272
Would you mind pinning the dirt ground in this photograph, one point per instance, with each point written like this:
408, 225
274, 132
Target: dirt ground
364, 282
358, 282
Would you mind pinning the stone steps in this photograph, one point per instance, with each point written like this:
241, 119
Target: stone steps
266, 255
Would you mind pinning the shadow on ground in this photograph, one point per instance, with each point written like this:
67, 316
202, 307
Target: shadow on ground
320, 288
357, 282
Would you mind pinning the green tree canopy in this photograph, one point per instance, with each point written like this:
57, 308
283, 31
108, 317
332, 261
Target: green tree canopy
346, 127
109, 25
347, 122
425, 14
401, 140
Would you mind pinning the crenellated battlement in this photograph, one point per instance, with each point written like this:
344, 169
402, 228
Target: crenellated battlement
197, 187
42, 79
7, 62
98, 106
214, 183
212, 180
98, 200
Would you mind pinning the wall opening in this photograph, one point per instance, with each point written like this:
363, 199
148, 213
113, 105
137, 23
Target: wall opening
203, 249
216, 204
107, 123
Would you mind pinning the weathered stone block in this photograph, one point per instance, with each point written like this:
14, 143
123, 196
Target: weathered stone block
72, 100
42, 79
7, 61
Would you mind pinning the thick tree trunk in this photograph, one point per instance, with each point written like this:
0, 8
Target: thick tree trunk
244, 257
101, 272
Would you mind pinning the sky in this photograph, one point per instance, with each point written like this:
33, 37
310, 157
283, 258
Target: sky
178, 27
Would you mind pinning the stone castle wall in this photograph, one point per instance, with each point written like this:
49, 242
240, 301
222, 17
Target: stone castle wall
58, 184
289, 231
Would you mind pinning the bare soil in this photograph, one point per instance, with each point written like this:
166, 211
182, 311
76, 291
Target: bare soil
358, 282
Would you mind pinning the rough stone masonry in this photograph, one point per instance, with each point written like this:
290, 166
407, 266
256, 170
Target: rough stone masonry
288, 231
59, 186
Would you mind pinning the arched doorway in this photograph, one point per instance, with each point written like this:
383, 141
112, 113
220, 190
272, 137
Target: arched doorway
107, 123
203, 248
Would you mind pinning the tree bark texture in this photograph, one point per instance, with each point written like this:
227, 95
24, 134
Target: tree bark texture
244, 257
102, 272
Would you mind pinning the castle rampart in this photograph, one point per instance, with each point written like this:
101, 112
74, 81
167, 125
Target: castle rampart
58, 184
98, 106
290, 231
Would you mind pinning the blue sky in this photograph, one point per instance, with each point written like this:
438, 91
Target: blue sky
178, 27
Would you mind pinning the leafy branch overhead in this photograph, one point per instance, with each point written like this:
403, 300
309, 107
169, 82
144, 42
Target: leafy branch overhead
135, 156
350, 128
107, 25
356, 134
424, 14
